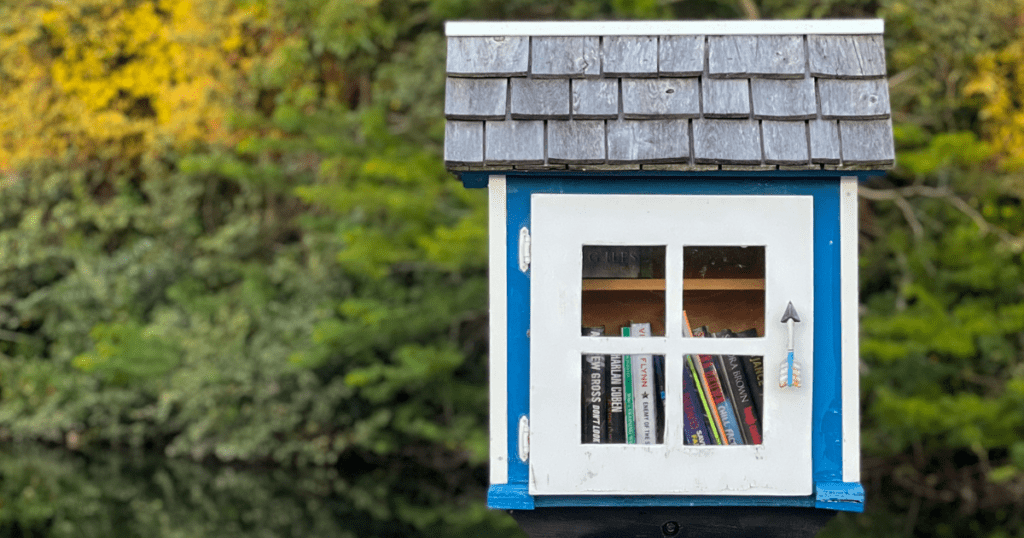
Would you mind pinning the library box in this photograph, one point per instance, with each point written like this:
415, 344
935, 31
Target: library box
673, 264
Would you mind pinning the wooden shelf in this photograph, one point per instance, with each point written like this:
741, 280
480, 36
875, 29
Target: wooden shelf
658, 284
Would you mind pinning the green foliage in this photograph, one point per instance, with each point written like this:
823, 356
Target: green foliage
281, 273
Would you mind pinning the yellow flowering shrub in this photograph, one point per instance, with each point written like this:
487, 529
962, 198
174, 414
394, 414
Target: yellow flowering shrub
999, 80
117, 78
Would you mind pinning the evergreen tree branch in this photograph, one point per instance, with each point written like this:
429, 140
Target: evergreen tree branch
900, 197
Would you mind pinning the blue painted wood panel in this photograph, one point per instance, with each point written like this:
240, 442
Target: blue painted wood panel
827, 403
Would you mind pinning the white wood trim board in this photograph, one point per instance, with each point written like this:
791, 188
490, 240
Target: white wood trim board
653, 28
498, 355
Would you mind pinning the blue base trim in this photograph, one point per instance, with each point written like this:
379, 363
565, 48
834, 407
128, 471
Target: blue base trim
509, 497
843, 496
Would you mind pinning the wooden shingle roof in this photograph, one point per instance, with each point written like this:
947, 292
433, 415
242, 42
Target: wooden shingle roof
686, 95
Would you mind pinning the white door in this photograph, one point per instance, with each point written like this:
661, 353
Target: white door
672, 232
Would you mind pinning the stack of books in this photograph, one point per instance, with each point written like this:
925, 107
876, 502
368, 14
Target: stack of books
623, 396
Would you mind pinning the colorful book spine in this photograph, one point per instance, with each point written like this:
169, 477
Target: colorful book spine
730, 426
708, 407
645, 393
695, 428
715, 420
627, 388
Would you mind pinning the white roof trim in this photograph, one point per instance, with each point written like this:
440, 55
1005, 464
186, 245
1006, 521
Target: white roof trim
653, 28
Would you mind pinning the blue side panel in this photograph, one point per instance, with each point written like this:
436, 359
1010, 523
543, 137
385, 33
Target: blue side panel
518, 215
827, 405
827, 414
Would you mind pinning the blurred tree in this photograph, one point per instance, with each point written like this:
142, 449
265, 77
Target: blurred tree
228, 236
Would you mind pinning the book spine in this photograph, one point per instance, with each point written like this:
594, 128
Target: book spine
710, 413
627, 389
616, 401
595, 400
731, 399
659, 384
714, 417
746, 413
644, 391
695, 427
729, 425
753, 367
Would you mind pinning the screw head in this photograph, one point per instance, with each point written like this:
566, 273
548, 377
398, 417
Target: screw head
670, 528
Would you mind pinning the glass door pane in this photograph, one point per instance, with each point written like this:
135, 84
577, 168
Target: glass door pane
622, 285
723, 289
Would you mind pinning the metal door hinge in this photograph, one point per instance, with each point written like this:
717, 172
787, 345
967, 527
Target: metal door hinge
524, 438
524, 249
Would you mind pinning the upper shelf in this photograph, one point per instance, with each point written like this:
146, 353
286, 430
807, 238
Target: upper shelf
658, 284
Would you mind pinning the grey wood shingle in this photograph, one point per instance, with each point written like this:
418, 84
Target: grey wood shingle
785, 142
593, 99
860, 99
784, 98
681, 55
576, 141
726, 141
725, 101
565, 57
766, 56
660, 97
629, 56
475, 98
824, 141
726, 97
464, 142
867, 142
846, 56
488, 56
534, 98
514, 141
648, 141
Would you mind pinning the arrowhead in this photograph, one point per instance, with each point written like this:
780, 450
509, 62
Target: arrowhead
790, 314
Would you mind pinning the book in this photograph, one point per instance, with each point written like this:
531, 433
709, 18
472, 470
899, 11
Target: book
730, 426
734, 380
659, 386
645, 410
695, 426
753, 367
714, 420
595, 394
629, 420
595, 421
616, 400
611, 262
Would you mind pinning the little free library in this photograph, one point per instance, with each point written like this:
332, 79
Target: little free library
673, 266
